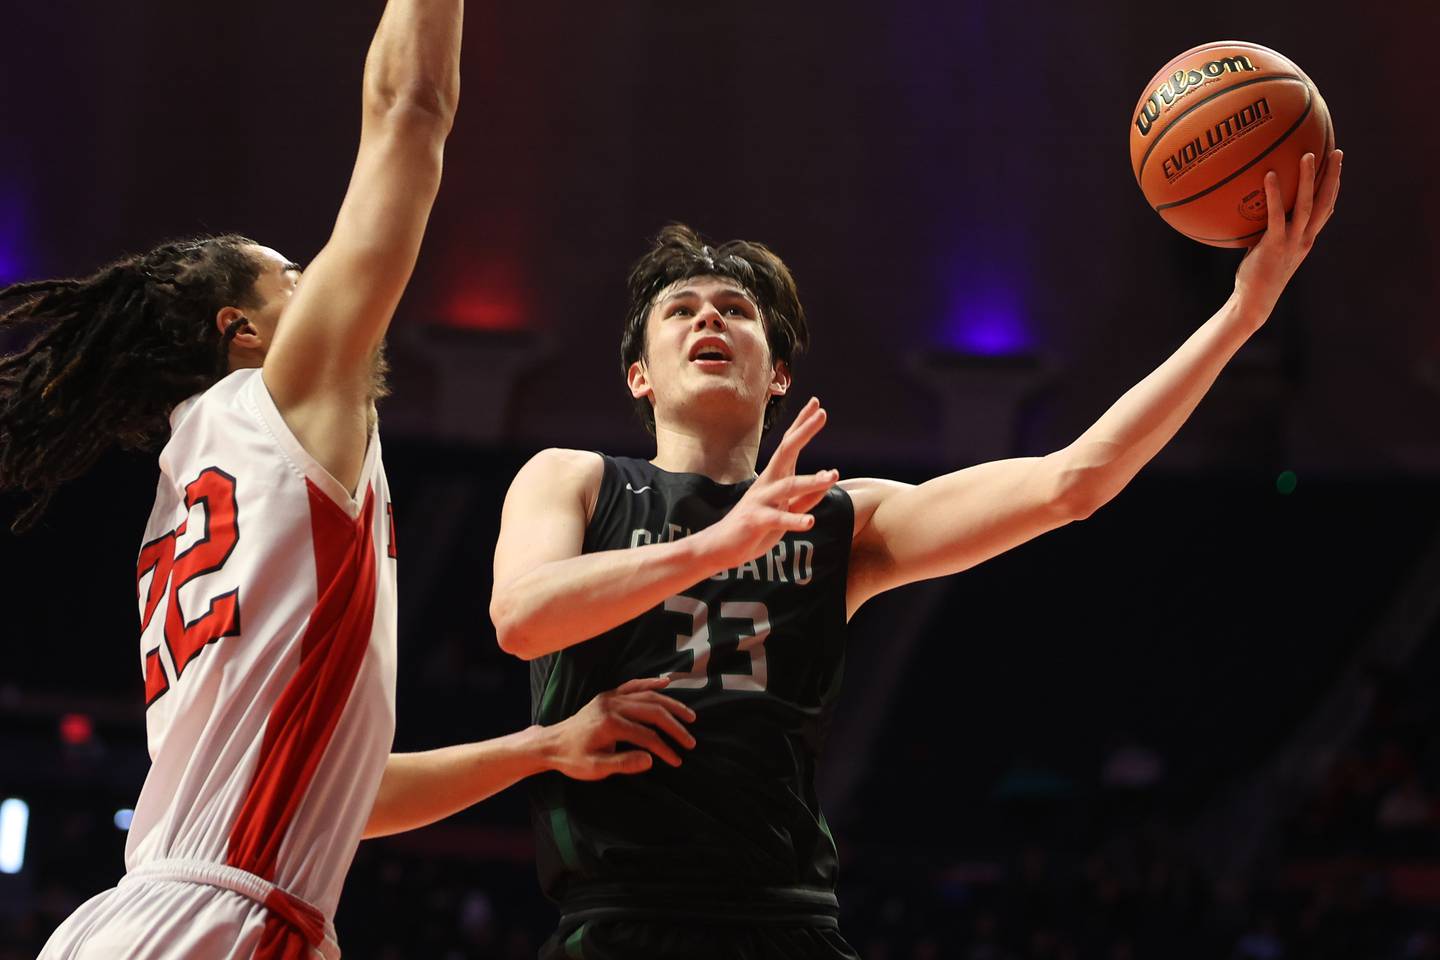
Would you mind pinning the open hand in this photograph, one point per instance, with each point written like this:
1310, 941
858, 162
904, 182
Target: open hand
779, 502
587, 745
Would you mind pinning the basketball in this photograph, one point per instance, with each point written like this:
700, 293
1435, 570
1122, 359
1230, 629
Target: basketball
1209, 126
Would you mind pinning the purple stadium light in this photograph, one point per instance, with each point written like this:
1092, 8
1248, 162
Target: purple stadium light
12, 234
986, 319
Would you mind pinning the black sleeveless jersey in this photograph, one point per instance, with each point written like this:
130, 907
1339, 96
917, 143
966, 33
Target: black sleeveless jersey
758, 652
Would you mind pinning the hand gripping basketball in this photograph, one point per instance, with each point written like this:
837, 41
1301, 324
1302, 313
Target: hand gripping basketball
779, 501
1270, 264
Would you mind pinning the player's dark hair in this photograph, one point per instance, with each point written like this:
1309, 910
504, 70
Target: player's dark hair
680, 253
106, 358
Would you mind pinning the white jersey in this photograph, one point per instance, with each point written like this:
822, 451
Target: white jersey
268, 619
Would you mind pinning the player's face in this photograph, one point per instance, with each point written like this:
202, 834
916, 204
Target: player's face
706, 352
273, 290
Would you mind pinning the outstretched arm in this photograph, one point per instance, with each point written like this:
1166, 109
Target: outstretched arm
421, 788
907, 533
319, 368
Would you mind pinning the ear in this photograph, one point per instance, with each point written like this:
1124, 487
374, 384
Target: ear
247, 337
780, 379
638, 380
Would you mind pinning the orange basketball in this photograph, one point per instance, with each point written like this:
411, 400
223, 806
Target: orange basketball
1210, 125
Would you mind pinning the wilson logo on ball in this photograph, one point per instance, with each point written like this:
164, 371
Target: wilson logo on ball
1182, 82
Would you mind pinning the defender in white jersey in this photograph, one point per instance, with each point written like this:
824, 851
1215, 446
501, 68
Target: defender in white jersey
266, 577
267, 608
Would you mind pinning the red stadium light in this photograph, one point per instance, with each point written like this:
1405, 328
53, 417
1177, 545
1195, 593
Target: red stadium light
484, 310
76, 729
486, 295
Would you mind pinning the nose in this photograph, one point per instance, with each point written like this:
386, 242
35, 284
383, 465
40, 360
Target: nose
709, 318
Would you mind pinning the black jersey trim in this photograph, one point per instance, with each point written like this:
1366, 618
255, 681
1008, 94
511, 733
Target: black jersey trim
605, 503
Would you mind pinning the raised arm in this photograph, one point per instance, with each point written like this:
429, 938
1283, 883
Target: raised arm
907, 533
320, 366
548, 595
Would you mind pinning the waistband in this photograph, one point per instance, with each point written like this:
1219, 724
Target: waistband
306, 919
773, 906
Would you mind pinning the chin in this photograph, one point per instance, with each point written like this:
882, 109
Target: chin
725, 400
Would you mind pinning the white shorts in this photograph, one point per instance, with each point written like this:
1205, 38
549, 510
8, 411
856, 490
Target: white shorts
178, 910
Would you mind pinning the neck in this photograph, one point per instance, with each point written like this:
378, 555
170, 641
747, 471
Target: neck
245, 359
723, 453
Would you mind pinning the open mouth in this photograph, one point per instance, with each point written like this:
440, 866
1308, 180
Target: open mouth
710, 351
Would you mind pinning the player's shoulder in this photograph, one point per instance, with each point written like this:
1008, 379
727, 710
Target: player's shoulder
866, 494
562, 461
870, 490
558, 470
218, 397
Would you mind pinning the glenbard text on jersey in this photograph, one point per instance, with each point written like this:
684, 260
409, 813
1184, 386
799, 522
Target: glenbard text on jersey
798, 558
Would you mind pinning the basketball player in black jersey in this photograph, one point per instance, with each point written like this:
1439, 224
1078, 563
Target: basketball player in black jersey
738, 587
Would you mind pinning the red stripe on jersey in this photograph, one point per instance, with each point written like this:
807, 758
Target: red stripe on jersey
291, 930
280, 940
304, 717
299, 914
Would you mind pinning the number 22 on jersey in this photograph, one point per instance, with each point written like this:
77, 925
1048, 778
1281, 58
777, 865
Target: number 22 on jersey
214, 491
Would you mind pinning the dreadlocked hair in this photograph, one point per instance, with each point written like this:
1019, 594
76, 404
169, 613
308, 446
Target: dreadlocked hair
106, 358
679, 253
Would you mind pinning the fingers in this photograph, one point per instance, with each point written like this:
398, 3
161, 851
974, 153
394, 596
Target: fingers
1304, 195
1275, 206
627, 761
792, 522
644, 683
658, 716
642, 691
1329, 193
806, 504
642, 736
801, 418
804, 487
806, 426
674, 706
810, 407
800, 425
638, 713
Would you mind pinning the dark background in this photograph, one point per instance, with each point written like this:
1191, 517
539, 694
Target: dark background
1198, 724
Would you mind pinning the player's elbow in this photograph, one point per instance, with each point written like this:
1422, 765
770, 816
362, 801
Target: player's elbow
517, 643
1075, 493
415, 107
511, 631
1078, 502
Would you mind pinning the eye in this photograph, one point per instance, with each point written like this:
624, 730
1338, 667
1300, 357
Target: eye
736, 311
678, 311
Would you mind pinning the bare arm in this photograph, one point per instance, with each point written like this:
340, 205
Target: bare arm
548, 596
320, 366
420, 788
907, 533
